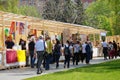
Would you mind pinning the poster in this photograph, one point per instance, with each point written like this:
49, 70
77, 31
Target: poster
83, 37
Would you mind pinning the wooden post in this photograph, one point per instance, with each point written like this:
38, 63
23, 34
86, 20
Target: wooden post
15, 33
3, 23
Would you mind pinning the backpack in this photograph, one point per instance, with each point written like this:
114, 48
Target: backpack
66, 50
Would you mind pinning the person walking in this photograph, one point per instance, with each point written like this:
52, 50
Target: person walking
40, 48
83, 56
115, 48
31, 47
57, 52
88, 52
105, 49
49, 52
76, 48
67, 54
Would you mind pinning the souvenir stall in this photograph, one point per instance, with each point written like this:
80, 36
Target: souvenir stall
19, 26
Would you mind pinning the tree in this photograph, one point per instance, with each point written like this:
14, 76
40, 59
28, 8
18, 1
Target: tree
115, 15
9, 6
79, 13
12, 6
98, 14
104, 15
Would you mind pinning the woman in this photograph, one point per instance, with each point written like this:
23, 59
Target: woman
57, 52
67, 54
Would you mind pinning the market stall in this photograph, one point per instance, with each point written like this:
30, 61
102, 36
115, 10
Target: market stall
19, 26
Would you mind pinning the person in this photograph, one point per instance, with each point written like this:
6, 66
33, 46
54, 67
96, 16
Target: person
76, 49
83, 56
67, 54
9, 43
118, 49
23, 47
105, 49
91, 51
31, 47
115, 48
40, 46
88, 52
49, 52
57, 52
111, 51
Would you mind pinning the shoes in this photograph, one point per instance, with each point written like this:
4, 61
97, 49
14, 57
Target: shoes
46, 69
39, 72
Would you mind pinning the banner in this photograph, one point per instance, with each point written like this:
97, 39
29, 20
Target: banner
11, 56
12, 28
21, 55
7, 30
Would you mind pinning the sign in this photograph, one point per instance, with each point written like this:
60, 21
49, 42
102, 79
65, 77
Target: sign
103, 34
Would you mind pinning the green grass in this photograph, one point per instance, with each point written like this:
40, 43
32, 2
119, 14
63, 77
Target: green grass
104, 71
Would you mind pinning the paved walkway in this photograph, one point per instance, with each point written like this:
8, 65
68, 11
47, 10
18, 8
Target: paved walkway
19, 74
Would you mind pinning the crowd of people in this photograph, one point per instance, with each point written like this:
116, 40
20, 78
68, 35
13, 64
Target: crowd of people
110, 50
47, 52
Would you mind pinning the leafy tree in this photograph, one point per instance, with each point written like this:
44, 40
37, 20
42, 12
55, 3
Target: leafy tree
104, 15
12, 6
98, 15
115, 15
79, 13
64, 10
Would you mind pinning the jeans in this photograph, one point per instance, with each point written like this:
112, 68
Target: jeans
32, 59
57, 57
67, 60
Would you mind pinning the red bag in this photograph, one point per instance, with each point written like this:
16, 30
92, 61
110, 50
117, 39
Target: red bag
11, 56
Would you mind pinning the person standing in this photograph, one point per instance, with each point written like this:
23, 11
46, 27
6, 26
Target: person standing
40, 46
23, 46
105, 49
9, 43
31, 47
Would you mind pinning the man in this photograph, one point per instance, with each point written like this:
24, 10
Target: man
40, 48
105, 49
31, 47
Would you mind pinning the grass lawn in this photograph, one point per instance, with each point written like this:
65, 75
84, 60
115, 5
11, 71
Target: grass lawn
104, 71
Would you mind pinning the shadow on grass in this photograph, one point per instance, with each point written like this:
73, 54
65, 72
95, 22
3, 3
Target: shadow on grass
105, 67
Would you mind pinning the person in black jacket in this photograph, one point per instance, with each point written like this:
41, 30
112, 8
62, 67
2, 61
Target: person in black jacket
9, 43
57, 52
115, 48
88, 53
31, 48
